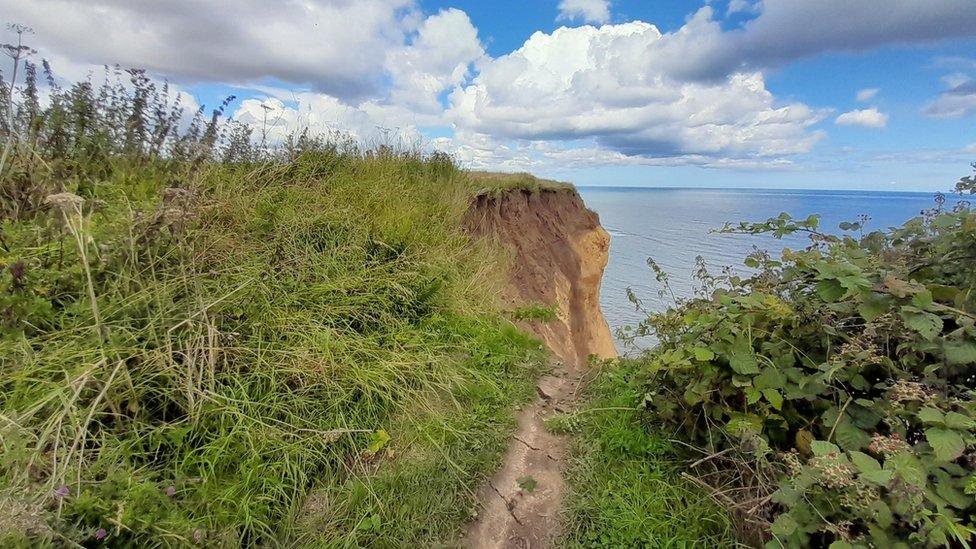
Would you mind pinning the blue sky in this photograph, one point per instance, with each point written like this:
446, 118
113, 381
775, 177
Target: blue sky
714, 93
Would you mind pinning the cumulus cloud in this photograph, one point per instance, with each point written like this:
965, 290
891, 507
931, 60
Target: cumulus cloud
867, 94
437, 58
334, 46
867, 118
587, 11
600, 84
957, 101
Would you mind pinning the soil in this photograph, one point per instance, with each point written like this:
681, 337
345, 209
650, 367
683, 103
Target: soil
559, 252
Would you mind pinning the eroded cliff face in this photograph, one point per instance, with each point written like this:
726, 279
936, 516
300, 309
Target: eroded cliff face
559, 252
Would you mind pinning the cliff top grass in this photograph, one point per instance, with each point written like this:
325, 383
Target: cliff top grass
495, 183
208, 343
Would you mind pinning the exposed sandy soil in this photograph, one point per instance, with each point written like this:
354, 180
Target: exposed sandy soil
559, 253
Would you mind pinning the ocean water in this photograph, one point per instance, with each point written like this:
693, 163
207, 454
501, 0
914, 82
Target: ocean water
673, 226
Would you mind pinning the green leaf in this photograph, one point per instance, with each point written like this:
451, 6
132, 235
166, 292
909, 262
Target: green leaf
830, 290
926, 324
849, 437
882, 514
873, 305
945, 489
774, 398
752, 395
922, 299
908, 468
955, 420
881, 478
377, 441
783, 526
864, 462
931, 415
947, 444
822, 448
770, 378
744, 363
960, 352
703, 354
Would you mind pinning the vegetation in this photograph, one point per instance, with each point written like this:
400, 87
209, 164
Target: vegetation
496, 183
829, 397
207, 341
535, 311
626, 491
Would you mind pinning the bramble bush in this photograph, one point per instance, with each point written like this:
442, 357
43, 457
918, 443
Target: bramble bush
835, 384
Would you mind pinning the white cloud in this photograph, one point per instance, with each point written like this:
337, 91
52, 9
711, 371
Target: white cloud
601, 84
867, 94
588, 11
437, 58
957, 101
867, 118
970, 149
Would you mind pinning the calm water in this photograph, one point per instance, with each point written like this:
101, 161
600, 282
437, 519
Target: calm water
672, 226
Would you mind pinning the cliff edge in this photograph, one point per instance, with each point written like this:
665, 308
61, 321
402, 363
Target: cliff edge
559, 252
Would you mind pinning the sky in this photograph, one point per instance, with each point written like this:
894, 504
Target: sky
826, 94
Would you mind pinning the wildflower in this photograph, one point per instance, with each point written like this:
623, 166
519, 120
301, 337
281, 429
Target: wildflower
860, 498
61, 492
170, 491
101, 534
907, 391
792, 460
833, 472
197, 535
888, 446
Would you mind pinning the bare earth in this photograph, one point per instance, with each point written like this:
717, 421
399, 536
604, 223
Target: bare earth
560, 251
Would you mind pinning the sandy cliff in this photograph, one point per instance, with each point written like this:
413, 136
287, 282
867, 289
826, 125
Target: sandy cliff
559, 253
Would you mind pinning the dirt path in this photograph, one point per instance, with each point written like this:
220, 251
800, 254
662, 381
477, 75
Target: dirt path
522, 502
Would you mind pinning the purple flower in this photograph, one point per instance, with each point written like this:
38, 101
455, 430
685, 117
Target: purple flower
61, 492
170, 491
197, 535
101, 534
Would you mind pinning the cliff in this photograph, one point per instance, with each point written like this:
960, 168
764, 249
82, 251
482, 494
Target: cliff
558, 254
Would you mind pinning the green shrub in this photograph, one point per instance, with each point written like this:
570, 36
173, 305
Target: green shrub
840, 378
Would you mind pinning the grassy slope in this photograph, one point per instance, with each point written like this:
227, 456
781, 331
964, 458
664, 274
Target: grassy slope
262, 337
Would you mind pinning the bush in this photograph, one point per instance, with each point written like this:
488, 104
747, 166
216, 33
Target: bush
838, 380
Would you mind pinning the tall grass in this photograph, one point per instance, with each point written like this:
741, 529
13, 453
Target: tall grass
206, 342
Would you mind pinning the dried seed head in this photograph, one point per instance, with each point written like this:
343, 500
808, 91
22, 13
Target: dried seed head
64, 200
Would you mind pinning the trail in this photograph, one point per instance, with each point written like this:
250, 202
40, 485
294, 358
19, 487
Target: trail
559, 254
514, 515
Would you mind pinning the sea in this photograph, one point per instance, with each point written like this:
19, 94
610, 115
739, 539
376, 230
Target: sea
674, 226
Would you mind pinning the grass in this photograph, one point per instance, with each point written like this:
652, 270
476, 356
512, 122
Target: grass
626, 490
493, 183
291, 353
